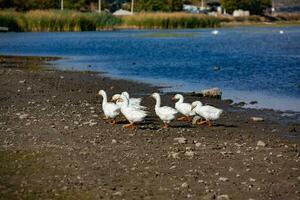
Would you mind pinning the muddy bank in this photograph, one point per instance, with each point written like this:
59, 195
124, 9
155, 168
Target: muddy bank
54, 145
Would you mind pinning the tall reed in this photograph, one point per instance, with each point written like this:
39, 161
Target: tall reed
54, 20
169, 21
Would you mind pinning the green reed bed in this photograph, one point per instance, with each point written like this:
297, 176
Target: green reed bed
54, 20
169, 21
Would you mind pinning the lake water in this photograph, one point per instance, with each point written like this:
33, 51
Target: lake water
256, 63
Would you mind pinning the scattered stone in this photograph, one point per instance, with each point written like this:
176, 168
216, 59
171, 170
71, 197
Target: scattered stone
223, 197
253, 102
212, 93
184, 185
189, 153
257, 119
66, 127
181, 140
119, 193
22, 81
224, 179
23, 116
261, 143
198, 144
252, 179
113, 141
174, 155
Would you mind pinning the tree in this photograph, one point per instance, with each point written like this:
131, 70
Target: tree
175, 5
256, 7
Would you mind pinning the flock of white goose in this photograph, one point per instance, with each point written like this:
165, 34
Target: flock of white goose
134, 112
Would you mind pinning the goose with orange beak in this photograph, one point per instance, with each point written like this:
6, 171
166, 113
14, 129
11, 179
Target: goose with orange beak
110, 109
184, 108
208, 112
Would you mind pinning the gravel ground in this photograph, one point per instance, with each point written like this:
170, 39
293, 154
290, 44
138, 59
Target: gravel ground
54, 145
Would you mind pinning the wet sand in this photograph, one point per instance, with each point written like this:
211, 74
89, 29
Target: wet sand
54, 145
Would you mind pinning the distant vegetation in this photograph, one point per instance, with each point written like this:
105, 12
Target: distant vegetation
54, 20
256, 7
169, 21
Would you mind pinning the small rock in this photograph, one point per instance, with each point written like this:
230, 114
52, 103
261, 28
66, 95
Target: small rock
113, 141
23, 116
252, 179
189, 153
223, 197
212, 92
261, 143
117, 193
257, 119
174, 155
224, 179
66, 127
184, 185
181, 140
22, 81
198, 144
253, 102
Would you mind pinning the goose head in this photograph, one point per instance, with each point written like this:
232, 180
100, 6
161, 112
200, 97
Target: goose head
101, 93
155, 95
177, 97
196, 104
126, 94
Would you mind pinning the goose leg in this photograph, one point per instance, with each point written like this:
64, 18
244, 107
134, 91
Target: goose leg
184, 118
166, 125
202, 122
209, 123
129, 126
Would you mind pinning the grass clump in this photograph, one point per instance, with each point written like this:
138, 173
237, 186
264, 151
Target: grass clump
54, 20
169, 21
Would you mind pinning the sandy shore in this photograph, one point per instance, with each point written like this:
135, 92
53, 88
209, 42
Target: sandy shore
53, 144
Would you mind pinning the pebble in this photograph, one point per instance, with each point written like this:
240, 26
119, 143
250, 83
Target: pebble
66, 127
261, 143
257, 119
184, 185
223, 197
23, 116
113, 141
181, 140
189, 153
198, 144
174, 155
22, 81
224, 179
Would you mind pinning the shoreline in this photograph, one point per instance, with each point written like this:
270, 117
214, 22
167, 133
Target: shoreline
290, 115
53, 144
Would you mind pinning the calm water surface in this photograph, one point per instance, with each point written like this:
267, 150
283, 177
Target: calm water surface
256, 63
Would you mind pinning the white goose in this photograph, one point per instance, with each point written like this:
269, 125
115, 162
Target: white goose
183, 108
133, 102
132, 114
207, 112
165, 113
111, 110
